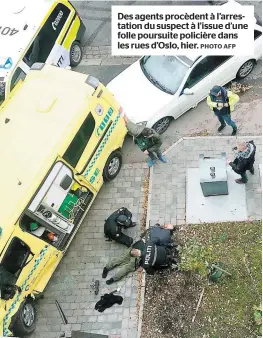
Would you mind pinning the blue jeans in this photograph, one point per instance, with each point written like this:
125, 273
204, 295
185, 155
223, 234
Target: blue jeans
223, 119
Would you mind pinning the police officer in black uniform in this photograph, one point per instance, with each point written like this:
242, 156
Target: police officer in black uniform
121, 218
159, 249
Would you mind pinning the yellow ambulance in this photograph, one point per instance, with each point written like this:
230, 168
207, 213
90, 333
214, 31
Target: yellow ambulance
48, 31
61, 135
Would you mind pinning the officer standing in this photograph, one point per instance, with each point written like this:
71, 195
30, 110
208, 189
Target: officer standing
121, 218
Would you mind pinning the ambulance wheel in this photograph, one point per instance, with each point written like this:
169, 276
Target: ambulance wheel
75, 54
162, 125
25, 321
113, 166
245, 69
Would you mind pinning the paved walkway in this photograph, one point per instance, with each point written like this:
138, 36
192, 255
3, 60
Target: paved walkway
85, 259
89, 252
168, 181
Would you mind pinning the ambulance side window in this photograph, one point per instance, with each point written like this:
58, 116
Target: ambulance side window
45, 40
15, 257
18, 75
80, 141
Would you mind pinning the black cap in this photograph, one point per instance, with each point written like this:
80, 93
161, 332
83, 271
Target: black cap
122, 219
215, 90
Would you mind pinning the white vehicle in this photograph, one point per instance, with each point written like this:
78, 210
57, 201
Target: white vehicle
46, 31
156, 89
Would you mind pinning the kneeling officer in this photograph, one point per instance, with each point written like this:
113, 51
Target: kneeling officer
156, 257
121, 218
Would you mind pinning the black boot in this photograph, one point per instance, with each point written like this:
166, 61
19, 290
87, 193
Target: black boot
221, 127
240, 181
252, 171
110, 281
234, 132
105, 272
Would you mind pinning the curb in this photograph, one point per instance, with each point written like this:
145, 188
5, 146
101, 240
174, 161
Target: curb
139, 331
209, 138
149, 206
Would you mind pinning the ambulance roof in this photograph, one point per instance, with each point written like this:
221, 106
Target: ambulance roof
20, 19
37, 122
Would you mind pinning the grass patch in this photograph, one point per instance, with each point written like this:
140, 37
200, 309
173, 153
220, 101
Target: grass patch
227, 307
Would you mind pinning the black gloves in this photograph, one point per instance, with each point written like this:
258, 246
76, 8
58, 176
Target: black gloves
110, 281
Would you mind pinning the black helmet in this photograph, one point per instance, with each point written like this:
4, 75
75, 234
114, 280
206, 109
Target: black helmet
122, 220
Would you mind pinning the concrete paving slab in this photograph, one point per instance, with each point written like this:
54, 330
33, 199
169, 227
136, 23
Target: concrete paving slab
84, 261
260, 170
168, 181
199, 209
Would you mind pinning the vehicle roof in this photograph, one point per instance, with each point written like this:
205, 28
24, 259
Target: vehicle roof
36, 122
16, 14
229, 3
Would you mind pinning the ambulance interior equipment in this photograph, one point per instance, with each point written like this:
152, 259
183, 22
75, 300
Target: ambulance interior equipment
57, 207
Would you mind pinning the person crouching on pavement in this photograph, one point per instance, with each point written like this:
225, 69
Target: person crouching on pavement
147, 139
159, 249
244, 160
121, 218
222, 102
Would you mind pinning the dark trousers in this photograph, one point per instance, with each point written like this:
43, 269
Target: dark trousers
226, 118
244, 175
122, 239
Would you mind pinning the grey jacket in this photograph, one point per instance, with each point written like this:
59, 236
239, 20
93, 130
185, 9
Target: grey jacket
134, 129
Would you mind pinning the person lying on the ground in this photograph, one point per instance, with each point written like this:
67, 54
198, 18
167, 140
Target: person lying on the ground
147, 139
121, 218
129, 261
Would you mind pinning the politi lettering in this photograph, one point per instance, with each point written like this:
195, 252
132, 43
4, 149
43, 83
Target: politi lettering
148, 255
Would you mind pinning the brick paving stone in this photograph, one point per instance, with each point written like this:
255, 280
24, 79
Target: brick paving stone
186, 155
85, 259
